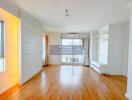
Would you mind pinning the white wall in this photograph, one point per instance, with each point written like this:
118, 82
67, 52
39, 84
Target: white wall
125, 48
54, 39
31, 42
118, 48
129, 82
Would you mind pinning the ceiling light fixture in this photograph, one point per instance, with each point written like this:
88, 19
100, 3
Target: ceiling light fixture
66, 13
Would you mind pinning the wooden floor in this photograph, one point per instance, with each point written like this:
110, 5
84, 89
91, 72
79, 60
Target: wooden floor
69, 83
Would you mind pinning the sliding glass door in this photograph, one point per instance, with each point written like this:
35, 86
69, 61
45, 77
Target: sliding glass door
73, 51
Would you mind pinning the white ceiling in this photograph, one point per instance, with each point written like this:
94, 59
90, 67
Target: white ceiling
85, 15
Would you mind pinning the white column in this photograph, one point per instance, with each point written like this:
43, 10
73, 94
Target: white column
129, 82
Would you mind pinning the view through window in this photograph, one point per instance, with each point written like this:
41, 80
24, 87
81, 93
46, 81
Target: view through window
1, 46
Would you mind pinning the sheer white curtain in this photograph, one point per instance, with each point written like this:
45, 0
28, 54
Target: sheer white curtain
86, 46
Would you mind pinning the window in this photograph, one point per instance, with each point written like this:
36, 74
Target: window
100, 48
103, 49
1, 46
72, 47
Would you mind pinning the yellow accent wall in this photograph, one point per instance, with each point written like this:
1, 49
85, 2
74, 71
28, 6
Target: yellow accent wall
10, 77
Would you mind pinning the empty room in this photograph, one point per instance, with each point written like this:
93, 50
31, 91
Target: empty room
65, 50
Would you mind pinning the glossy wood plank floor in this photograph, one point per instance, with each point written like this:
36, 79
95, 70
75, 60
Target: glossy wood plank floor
69, 83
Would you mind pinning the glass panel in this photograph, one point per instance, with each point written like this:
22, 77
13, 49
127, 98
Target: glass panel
1, 46
66, 41
66, 58
77, 42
